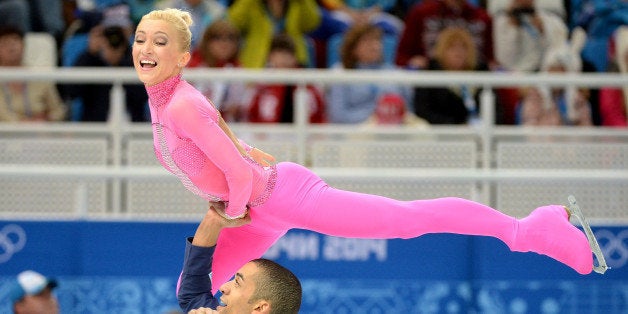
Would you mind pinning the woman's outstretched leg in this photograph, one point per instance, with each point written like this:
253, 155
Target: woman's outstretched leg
310, 204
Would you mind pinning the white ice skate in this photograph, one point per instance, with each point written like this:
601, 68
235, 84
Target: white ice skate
595, 247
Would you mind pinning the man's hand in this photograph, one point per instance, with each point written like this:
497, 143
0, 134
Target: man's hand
202, 310
208, 230
216, 215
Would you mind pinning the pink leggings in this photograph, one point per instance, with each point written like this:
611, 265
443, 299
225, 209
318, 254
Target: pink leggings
302, 200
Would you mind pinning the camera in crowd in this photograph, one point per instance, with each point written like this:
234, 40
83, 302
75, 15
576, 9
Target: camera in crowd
115, 36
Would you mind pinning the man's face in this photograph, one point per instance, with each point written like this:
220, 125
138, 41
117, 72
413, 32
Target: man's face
281, 59
11, 50
237, 292
43, 303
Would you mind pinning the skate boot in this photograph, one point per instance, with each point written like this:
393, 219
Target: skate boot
547, 231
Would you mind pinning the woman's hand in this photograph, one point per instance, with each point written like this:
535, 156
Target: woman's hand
261, 157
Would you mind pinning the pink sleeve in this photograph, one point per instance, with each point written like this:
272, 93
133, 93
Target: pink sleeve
198, 120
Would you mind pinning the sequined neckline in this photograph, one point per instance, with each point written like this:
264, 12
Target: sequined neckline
160, 94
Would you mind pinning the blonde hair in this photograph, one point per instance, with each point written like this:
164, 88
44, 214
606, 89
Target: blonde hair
450, 35
181, 20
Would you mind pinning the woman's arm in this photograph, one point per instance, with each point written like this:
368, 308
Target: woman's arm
258, 155
195, 119
225, 128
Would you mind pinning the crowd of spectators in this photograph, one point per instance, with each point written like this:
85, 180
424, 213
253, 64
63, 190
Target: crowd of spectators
529, 36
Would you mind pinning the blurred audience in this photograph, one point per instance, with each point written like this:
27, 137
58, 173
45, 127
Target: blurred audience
33, 16
454, 51
139, 8
275, 102
352, 12
15, 13
219, 48
203, 12
47, 16
108, 46
362, 49
523, 33
599, 18
428, 18
260, 20
517, 38
553, 106
614, 100
25, 100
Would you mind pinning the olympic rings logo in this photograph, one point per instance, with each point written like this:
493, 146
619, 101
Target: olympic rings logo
614, 247
12, 240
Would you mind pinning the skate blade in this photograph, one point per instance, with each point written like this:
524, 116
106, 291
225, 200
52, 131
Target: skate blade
595, 247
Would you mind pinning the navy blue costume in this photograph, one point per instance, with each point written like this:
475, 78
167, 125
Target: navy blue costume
195, 285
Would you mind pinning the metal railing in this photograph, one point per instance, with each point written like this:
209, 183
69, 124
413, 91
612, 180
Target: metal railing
487, 135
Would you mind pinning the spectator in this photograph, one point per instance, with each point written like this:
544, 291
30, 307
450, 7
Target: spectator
30, 100
614, 100
108, 46
599, 19
523, 33
558, 106
362, 49
454, 51
260, 20
47, 17
203, 12
138, 8
33, 16
351, 12
391, 109
219, 48
339, 15
275, 103
33, 293
15, 13
260, 286
429, 17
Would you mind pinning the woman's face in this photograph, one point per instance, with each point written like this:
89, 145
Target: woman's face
455, 57
369, 49
157, 54
223, 47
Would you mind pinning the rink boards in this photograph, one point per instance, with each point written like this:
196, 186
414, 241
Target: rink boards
129, 267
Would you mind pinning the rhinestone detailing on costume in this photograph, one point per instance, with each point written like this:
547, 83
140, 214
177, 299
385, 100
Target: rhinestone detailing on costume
184, 158
270, 184
160, 94
172, 166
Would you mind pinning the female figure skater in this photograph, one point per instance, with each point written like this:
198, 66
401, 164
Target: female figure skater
193, 142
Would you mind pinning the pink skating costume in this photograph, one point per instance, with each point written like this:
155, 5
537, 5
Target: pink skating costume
190, 143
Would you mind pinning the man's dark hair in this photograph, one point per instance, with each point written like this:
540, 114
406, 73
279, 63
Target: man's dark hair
277, 285
7, 30
283, 42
